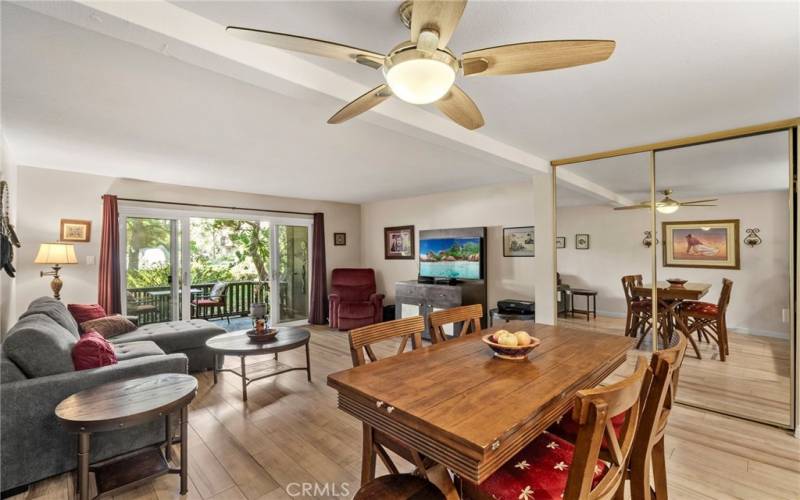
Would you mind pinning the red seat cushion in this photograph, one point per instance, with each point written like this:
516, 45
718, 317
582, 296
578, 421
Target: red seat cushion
92, 351
538, 472
356, 310
699, 308
86, 312
641, 305
567, 428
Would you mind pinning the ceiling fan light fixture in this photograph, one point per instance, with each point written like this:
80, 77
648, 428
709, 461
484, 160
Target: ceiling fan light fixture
420, 78
668, 206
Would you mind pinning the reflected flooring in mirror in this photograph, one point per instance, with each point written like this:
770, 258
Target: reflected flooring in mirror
754, 381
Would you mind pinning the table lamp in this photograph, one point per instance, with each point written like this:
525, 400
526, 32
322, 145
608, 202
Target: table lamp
56, 254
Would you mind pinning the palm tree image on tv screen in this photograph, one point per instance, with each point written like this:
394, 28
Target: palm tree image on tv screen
454, 258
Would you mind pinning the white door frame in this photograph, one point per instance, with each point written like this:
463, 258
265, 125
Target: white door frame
184, 216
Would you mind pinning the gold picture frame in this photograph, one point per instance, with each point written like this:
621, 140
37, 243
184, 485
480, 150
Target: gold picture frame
75, 230
709, 244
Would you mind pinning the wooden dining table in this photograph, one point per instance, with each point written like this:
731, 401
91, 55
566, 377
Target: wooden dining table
669, 298
458, 404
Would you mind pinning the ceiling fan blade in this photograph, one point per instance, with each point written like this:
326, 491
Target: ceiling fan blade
699, 205
460, 108
441, 16
529, 57
308, 46
363, 103
698, 201
634, 207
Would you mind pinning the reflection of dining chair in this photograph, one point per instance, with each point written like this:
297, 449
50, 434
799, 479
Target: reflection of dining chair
375, 442
708, 320
553, 467
469, 317
215, 299
639, 308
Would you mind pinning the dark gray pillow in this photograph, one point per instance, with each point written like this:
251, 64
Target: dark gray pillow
39, 346
56, 311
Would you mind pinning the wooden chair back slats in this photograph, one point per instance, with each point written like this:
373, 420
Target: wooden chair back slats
362, 339
628, 284
593, 411
724, 296
469, 317
648, 446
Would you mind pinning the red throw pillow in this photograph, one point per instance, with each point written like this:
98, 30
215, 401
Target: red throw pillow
86, 312
92, 351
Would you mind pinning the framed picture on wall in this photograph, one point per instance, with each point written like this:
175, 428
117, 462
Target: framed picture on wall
339, 239
582, 241
519, 241
398, 242
561, 242
74, 230
712, 244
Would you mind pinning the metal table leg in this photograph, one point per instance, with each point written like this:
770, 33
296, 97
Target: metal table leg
244, 381
308, 361
184, 450
168, 432
83, 465
217, 362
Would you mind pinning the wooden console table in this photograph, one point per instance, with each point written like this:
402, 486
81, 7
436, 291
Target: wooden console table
431, 296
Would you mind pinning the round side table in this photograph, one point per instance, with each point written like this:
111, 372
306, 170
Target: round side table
123, 404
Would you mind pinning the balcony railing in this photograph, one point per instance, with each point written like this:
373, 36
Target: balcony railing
152, 304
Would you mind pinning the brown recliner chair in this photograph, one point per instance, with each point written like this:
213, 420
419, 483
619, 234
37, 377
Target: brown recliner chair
353, 299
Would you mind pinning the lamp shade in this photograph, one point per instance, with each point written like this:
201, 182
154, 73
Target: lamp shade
56, 253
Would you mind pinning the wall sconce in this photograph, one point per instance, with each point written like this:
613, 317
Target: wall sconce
648, 239
752, 239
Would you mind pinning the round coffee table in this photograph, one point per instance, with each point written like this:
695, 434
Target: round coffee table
123, 404
239, 344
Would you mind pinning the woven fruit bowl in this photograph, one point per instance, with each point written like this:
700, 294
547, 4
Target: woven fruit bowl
266, 336
512, 352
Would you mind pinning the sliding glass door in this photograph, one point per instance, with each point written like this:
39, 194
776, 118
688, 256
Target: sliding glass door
293, 272
180, 264
150, 266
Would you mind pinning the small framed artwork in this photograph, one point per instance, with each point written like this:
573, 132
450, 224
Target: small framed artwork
582, 241
712, 244
561, 242
79, 231
519, 241
398, 242
339, 239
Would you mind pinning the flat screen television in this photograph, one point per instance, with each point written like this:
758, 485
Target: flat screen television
452, 258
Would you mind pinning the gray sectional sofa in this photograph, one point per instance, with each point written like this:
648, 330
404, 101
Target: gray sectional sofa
36, 373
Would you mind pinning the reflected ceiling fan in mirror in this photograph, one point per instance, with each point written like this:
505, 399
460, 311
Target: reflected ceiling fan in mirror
668, 205
423, 70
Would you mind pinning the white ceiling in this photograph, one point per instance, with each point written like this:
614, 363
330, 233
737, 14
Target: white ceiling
749, 164
75, 99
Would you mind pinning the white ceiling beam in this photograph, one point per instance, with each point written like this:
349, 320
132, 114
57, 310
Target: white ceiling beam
592, 188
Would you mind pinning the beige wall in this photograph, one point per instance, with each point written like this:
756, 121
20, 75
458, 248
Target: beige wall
492, 206
8, 285
761, 286
46, 196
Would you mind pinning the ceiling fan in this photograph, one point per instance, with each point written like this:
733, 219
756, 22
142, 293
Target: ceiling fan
423, 70
669, 205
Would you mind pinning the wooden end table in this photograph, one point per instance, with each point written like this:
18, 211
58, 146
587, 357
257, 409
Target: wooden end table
123, 404
239, 344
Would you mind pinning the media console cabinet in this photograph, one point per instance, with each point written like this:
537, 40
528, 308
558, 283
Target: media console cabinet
430, 297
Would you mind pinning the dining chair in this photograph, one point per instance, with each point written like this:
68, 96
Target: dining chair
639, 309
399, 487
469, 317
708, 320
551, 466
375, 443
648, 453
